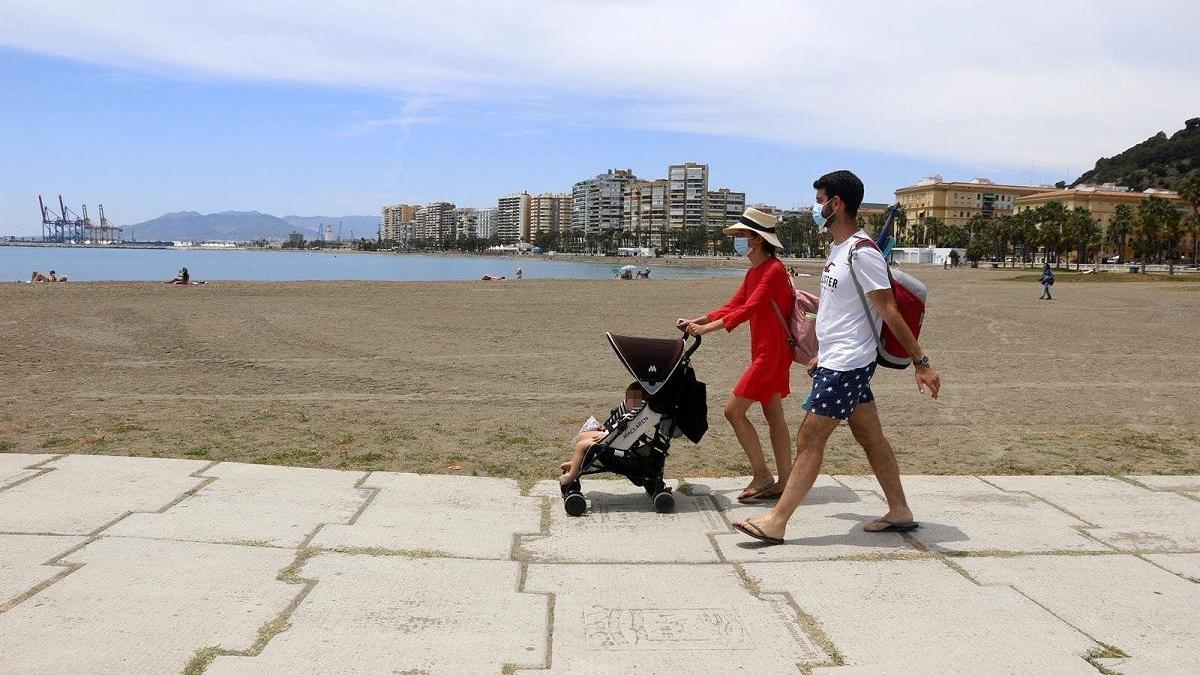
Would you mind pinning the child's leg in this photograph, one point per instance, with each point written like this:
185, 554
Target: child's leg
575, 466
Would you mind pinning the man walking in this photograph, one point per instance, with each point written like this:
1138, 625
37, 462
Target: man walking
1047, 281
845, 363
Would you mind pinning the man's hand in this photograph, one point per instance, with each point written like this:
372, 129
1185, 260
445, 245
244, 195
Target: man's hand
812, 366
927, 377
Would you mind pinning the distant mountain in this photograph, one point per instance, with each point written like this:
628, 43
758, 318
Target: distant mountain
224, 226
362, 226
1157, 162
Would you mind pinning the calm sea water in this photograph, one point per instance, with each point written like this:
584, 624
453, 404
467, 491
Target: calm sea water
120, 264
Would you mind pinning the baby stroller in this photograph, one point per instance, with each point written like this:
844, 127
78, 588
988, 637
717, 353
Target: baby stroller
638, 440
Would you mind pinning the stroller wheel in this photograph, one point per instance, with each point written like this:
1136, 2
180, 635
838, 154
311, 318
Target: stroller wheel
575, 504
664, 502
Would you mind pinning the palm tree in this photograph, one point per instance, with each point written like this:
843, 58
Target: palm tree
1189, 189
1121, 226
1155, 217
1050, 218
1081, 230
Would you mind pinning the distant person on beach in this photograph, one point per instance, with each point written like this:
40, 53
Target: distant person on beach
38, 277
643, 274
491, 277
765, 289
520, 272
845, 362
1047, 281
592, 431
182, 279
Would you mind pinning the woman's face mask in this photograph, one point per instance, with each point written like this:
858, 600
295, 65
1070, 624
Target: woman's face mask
741, 245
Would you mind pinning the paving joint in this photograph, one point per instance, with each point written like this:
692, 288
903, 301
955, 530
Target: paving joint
1136, 483
40, 469
522, 576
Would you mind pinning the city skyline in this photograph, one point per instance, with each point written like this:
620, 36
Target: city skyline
217, 108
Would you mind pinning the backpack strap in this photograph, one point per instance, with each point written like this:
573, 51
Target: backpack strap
791, 339
864, 242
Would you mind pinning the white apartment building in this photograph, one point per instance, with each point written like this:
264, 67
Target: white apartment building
512, 218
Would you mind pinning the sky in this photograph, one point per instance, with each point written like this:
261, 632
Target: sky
320, 108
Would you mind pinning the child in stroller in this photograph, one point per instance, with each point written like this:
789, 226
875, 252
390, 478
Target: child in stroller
666, 401
592, 431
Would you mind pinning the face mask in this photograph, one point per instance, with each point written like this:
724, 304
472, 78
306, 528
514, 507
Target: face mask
818, 214
741, 245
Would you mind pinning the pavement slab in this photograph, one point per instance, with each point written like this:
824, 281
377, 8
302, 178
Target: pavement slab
621, 525
86, 492
391, 614
1186, 565
966, 514
13, 467
142, 606
1189, 485
288, 504
827, 525
1156, 625
23, 559
668, 619
1125, 516
920, 616
453, 515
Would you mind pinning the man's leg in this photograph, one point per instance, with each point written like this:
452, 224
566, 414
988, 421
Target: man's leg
743, 428
781, 439
810, 451
864, 424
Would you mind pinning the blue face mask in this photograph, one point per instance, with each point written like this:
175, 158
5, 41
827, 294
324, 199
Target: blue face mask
741, 245
818, 214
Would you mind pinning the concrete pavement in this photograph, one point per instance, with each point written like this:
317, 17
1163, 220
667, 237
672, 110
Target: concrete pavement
141, 565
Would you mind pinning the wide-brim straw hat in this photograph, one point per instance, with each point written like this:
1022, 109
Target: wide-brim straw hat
758, 222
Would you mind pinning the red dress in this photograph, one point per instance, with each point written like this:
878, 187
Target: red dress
770, 356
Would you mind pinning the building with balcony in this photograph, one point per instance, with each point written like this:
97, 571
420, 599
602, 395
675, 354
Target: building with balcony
597, 203
512, 218
956, 202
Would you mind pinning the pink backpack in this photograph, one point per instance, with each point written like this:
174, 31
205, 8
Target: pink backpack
801, 329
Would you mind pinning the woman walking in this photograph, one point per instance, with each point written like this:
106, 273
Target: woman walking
767, 380
1047, 282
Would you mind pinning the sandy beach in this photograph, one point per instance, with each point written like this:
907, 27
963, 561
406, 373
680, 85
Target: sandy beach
495, 378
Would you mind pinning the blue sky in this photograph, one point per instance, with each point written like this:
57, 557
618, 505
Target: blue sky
311, 112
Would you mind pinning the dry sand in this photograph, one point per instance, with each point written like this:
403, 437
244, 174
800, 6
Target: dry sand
494, 378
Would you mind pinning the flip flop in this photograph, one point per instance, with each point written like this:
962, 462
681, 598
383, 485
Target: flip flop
751, 495
892, 526
750, 529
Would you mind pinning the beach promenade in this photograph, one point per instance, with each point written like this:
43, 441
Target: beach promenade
142, 565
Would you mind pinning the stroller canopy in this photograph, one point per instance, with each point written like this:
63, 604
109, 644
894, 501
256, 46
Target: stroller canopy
651, 361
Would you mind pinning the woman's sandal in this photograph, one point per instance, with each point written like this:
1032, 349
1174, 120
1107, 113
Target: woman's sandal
757, 494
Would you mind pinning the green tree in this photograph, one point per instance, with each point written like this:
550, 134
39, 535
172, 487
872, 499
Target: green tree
1050, 218
1081, 232
1189, 189
952, 236
931, 227
1120, 227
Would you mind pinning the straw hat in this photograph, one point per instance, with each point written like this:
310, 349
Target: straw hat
758, 222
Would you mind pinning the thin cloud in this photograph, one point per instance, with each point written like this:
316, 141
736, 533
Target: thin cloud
985, 84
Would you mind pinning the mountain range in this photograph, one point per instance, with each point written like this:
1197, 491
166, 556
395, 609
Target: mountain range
245, 226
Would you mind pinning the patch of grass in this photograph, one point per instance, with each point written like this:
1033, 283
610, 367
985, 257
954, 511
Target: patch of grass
378, 552
345, 439
1105, 651
396, 435
291, 573
293, 457
6, 446
200, 451
56, 441
125, 426
201, 660
748, 581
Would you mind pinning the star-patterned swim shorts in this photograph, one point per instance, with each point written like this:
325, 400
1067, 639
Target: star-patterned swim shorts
836, 393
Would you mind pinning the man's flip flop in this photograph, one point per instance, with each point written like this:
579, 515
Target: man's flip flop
757, 493
890, 526
751, 530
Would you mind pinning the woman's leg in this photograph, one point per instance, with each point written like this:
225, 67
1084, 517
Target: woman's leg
735, 412
781, 440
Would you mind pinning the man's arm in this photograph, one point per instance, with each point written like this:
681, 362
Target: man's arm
885, 304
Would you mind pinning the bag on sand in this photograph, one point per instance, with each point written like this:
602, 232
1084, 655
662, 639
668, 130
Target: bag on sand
802, 328
910, 296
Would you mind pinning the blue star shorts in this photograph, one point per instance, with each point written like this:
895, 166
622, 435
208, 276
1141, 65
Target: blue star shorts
836, 393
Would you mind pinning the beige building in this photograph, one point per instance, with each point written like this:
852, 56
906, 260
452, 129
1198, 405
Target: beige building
869, 210
549, 213
955, 202
723, 208
597, 202
397, 221
645, 211
435, 222
512, 218
1101, 200
687, 194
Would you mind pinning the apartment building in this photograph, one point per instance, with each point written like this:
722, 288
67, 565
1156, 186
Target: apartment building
395, 222
550, 213
597, 203
512, 218
723, 208
687, 195
644, 210
435, 222
485, 222
466, 222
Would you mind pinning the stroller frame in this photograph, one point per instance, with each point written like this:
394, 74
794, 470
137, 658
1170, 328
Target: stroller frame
638, 444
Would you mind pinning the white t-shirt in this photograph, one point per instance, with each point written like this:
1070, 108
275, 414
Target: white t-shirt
845, 338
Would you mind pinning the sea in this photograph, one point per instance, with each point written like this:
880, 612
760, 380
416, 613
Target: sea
145, 264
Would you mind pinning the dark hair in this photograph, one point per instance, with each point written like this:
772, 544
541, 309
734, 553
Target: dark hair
843, 184
768, 247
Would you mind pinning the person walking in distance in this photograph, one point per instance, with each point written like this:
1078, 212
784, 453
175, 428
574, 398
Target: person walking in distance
1047, 281
845, 363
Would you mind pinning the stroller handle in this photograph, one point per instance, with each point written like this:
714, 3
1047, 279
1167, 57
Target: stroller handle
695, 345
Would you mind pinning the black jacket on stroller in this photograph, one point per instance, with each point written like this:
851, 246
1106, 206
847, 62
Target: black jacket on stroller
638, 441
